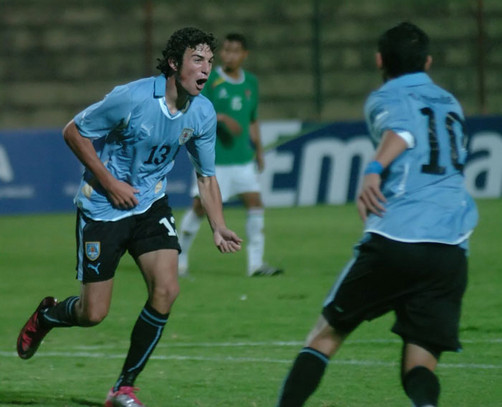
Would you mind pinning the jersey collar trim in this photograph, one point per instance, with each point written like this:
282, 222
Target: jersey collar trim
239, 80
413, 79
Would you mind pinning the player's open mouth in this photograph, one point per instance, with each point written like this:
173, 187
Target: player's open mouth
201, 82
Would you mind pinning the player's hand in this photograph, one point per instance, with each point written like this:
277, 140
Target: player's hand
122, 195
230, 123
371, 199
226, 240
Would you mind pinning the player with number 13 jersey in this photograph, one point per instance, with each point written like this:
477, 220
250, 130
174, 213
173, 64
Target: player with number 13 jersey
142, 144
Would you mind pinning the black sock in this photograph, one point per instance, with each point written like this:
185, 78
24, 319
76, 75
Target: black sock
422, 386
144, 337
303, 378
62, 315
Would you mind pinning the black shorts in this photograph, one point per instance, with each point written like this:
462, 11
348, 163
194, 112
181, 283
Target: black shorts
100, 245
422, 282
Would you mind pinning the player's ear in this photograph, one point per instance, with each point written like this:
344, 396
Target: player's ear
173, 64
378, 60
428, 62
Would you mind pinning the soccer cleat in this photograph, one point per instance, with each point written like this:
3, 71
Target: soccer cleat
266, 270
32, 333
123, 397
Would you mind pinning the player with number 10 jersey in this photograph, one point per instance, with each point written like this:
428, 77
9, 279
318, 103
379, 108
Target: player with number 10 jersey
426, 202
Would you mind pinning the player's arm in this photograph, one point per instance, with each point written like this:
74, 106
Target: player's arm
232, 125
254, 133
370, 198
209, 191
120, 193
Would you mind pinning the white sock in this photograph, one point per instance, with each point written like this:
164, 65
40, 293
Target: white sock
256, 238
190, 225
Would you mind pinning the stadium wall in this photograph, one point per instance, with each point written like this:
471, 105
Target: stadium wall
305, 165
314, 58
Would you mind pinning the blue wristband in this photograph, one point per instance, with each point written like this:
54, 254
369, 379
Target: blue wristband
374, 167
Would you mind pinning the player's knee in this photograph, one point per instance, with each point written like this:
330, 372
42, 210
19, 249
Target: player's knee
252, 201
325, 338
166, 293
90, 314
92, 317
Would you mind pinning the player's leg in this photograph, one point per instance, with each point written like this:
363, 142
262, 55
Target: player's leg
160, 272
159, 269
100, 245
245, 184
361, 292
155, 248
323, 341
419, 381
428, 320
255, 222
98, 253
190, 225
309, 366
88, 309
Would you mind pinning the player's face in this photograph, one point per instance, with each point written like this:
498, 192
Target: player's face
232, 55
195, 69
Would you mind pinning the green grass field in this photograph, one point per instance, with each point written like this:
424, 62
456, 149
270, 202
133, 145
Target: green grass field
231, 339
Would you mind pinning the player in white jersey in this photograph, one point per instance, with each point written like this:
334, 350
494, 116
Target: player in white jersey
127, 143
418, 217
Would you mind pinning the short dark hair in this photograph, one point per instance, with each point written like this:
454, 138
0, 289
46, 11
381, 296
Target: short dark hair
180, 40
404, 49
237, 38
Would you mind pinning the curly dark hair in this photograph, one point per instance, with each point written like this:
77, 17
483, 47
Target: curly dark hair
180, 40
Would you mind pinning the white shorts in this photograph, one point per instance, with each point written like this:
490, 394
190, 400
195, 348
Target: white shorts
234, 180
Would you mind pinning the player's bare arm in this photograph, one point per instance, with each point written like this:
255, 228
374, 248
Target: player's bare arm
120, 193
254, 132
231, 124
225, 239
370, 198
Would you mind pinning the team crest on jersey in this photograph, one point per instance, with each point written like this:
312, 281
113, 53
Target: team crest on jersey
223, 94
92, 250
186, 134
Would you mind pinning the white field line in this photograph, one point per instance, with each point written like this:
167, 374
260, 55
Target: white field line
93, 355
85, 352
279, 344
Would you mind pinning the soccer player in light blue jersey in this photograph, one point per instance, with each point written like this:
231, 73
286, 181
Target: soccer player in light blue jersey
128, 142
418, 217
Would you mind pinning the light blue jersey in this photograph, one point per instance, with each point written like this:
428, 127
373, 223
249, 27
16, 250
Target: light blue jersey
426, 197
137, 139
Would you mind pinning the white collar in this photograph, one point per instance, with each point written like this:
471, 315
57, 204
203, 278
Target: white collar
229, 79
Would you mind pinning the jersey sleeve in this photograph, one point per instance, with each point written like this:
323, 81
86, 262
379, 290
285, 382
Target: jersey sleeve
201, 149
383, 112
100, 118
